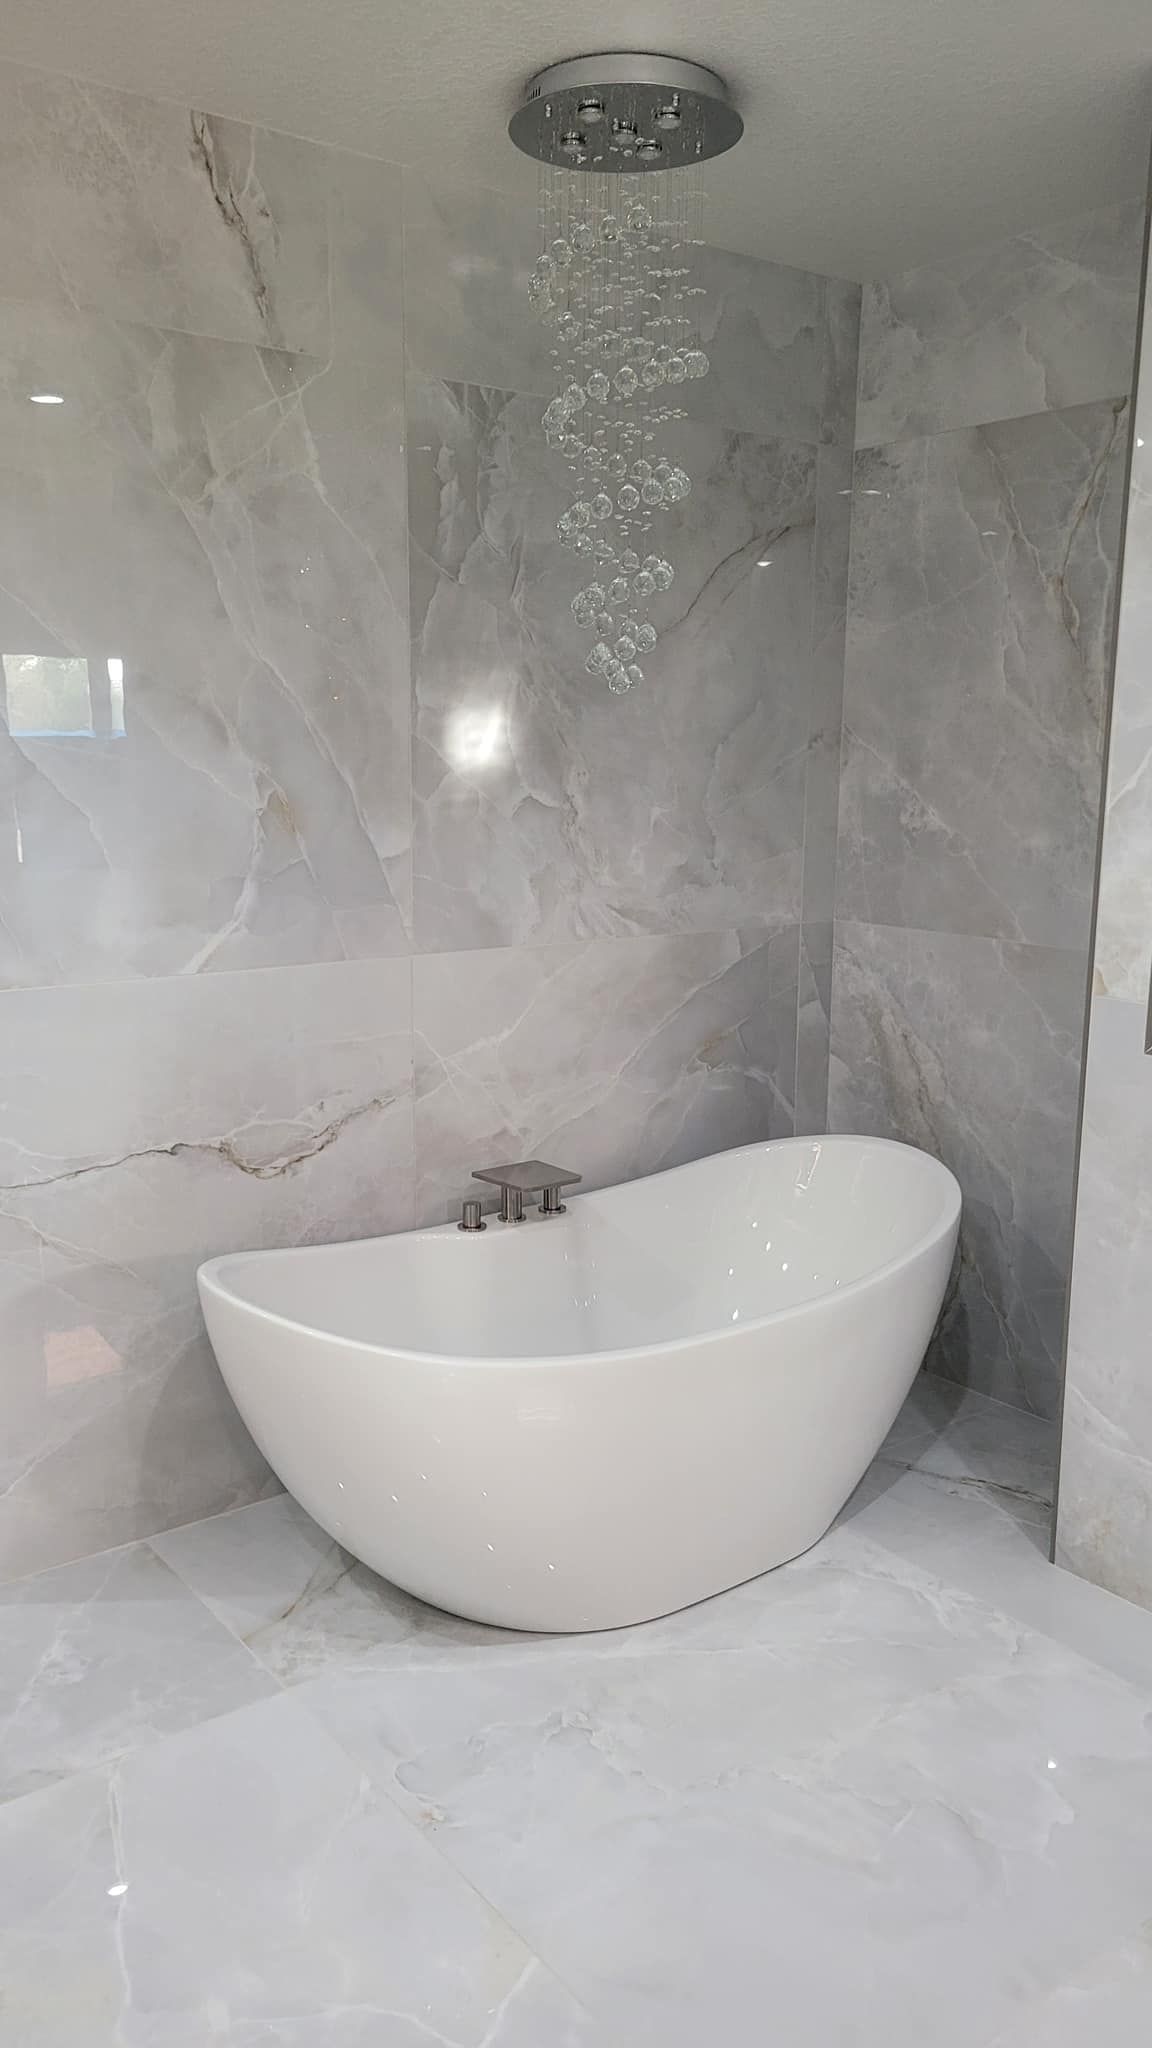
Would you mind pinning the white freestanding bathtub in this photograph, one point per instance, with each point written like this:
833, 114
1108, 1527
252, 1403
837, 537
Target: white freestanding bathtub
586, 1420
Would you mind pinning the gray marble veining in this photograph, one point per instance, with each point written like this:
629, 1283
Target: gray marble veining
148, 1125
208, 767
919, 1734
970, 1047
545, 808
103, 1656
227, 524
1030, 324
618, 1056
979, 640
247, 1882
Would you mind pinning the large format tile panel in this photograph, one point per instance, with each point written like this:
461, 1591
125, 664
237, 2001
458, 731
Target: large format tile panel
246, 1882
145, 210
1032, 323
546, 808
227, 524
103, 1656
615, 1058
979, 641
863, 1760
147, 1126
970, 1048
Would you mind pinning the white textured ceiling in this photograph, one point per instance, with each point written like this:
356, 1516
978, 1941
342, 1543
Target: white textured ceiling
878, 132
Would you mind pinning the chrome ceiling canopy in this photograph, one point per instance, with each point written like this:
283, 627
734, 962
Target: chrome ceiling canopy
625, 111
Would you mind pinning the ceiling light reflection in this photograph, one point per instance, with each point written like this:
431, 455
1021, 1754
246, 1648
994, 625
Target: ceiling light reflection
476, 739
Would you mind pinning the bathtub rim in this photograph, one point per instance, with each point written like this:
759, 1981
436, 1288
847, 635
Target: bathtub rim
208, 1278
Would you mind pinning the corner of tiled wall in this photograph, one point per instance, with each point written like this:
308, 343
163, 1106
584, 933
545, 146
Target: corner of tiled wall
992, 428
1104, 1523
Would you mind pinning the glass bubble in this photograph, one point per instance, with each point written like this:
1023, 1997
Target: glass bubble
598, 387
663, 469
613, 669
627, 497
582, 542
641, 470
566, 326
645, 637
545, 267
638, 218
603, 622
625, 380
678, 485
618, 589
696, 363
592, 665
609, 228
575, 397
601, 506
617, 465
635, 675
618, 681
561, 253
580, 513
644, 582
554, 414
662, 575
630, 560
603, 549
651, 374
582, 238
650, 561
675, 369
651, 492
625, 647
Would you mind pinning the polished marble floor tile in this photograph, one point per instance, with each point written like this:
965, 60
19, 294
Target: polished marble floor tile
99, 1657
299, 1601
246, 1884
919, 1756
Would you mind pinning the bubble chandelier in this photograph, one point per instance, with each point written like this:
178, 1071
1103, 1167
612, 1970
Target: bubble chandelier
620, 140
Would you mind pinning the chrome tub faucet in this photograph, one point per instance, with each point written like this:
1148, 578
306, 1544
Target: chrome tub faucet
523, 1177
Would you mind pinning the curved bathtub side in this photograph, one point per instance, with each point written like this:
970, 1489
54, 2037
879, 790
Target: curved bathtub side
584, 1494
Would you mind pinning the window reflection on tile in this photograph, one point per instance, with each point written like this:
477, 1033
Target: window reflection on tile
48, 696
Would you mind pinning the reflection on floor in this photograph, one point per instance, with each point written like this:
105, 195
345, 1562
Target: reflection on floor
897, 1793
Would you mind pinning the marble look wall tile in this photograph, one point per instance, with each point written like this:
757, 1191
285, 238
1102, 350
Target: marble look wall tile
245, 1882
147, 1126
102, 1656
155, 212
1123, 959
781, 343
546, 808
1105, 1521
228, 524
1032, 323
970, 1048
617, 1057
979, 640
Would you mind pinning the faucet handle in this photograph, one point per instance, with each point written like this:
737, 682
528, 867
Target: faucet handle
527, 1177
